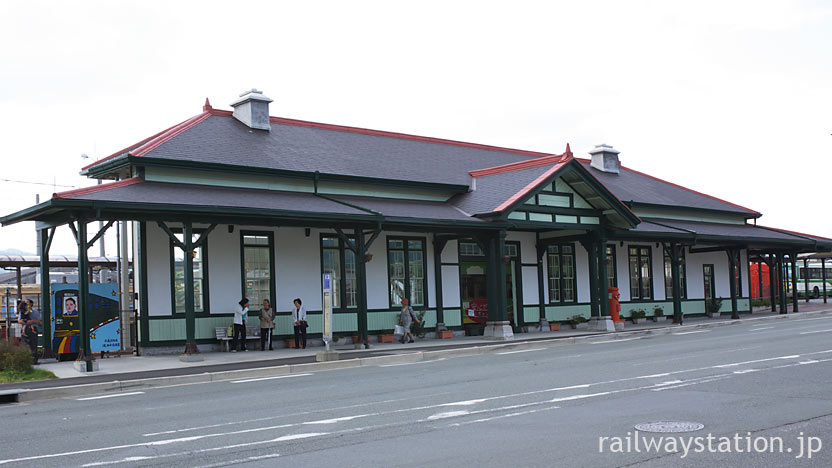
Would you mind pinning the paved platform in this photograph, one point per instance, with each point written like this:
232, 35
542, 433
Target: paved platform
139, 367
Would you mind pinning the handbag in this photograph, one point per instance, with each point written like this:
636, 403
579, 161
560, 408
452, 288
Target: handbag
399, 330
304, 324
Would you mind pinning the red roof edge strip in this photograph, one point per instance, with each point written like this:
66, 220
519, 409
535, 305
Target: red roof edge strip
97, 188
683, 188
121, 151
528, 188
552, 159
403, 136
169, 134
793, 232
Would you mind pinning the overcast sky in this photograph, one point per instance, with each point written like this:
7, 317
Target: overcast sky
731, 98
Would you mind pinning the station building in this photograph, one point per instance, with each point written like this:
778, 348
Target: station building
489, 240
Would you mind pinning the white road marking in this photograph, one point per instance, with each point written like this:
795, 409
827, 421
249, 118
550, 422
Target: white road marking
746, 371
241, 460
411, 363
269, 378
655, 375
761, 328
816, 331
521, 351
691, 332
101, 397
614, 341
341, 419
464, 402
189, 453
503, 416
692, 382
300, 436
448, 414
778, 358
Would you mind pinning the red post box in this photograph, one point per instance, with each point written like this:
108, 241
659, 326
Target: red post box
615, 307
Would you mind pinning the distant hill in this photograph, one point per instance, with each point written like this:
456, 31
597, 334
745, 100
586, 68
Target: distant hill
15, 252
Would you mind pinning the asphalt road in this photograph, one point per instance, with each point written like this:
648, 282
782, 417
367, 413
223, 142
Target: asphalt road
567, 406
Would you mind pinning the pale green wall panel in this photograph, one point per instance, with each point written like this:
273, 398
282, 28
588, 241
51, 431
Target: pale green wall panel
695, 307
382, 320
560, 313
345, 322
453, 317
167, 329
531, 314
206, 326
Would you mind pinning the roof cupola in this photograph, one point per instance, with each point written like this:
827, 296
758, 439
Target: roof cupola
252, 109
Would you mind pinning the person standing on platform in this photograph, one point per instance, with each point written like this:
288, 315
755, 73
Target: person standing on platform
299, 319
266, 325
240, 316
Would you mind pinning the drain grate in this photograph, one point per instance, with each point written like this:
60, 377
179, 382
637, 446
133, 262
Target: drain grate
669, 426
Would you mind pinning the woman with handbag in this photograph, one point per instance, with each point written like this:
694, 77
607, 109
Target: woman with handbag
266, 325
406, 319
299, 319
240, 316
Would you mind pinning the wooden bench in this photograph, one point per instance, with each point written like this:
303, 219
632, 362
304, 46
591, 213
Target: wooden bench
252, 333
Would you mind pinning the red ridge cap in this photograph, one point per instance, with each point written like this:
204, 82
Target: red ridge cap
527, 164
792, 232
517, 196
134, 145
403, 136
169, 134
681, 187
97, 188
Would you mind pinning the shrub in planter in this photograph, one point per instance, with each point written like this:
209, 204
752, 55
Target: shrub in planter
576, 319
658, 313
713, 305
637, 315
15, 358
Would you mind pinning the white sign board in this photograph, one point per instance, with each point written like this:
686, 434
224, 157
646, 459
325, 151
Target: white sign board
327, 309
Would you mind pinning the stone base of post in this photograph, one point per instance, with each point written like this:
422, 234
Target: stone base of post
601, 324
498, 330
191, 354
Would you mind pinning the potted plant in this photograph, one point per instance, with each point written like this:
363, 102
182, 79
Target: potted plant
712, 306
576, 320
658, 313
385, 336
637, 315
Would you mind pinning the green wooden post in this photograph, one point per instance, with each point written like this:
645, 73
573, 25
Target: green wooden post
793, 259
591, 247
772, 281
806, 278
732, 265
140, 269
676, 280
361, 279
438, 247
496, 278
823, 276
84, 353
781, 283
603, 278
190, 313
541, 298
45, 304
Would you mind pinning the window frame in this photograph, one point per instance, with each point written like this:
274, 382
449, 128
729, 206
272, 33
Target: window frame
668, 287
406, 249
561, 281
712, 278
614, 278
272, 268
640, 278
206, 308
342, 278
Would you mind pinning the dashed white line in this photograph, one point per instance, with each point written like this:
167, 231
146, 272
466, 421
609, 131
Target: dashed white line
101, 397
816, 331
268, 378
522, 351
761, 328
614, 341
691, 332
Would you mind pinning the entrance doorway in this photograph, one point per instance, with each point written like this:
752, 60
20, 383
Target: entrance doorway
473, 285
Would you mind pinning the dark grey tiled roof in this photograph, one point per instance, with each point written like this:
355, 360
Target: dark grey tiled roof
256, 199
495, 189
629, 185
747, 232
224, 140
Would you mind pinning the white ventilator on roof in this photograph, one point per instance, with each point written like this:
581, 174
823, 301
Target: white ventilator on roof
252, 109
605, 158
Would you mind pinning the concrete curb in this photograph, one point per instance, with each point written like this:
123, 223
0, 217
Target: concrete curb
116, 386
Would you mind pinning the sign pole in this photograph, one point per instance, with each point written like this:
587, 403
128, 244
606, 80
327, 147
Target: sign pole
326, 316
